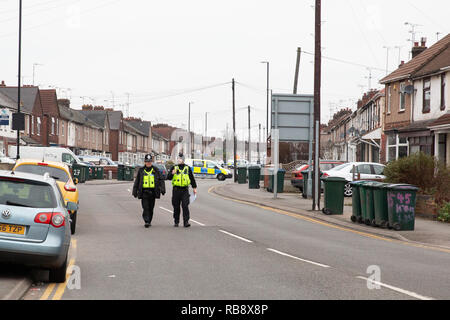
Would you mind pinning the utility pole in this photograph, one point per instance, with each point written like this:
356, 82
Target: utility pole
317, 87
249, 140
234, 132
387, 57
297, 68
267, 111
19, 77
189, 130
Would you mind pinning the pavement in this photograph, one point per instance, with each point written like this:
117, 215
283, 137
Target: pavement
426, 231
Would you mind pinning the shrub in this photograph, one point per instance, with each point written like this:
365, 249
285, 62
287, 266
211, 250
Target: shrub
423, 171
444, 213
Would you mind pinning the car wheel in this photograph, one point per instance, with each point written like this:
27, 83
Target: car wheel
73, 223
58, 275
221, 177
348, 192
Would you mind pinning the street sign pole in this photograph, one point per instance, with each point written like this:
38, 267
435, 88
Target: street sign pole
19, 76
276, 157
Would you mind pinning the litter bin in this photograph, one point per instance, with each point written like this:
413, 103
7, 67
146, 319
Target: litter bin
401, 201
100, 172
334, 195
280, 181
78, 172
128, 173
356, 201
367, 209
120, 172
306, 192
242, 175
253, 177
380, 204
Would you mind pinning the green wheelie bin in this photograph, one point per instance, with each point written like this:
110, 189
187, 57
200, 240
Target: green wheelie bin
253, 177
120, 172
242, 175
280, 181
128, 173
401, 201
380, 204
366, 196
77, 172
334, 195
356, 201
100, 172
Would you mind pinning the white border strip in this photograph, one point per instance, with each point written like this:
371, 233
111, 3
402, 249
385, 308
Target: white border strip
409, 293
233, 235
297, 258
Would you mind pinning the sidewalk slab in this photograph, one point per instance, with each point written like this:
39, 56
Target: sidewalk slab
105, 182
426, 231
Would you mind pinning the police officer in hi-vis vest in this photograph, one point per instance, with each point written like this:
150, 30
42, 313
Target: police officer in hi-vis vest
181, 176
148, 186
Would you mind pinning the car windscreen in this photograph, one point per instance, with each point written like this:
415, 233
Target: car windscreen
22, 193
328, 166
55, 173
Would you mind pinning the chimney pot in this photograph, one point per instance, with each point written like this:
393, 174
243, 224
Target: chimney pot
3, 84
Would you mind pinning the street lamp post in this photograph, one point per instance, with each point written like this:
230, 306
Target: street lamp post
189, 131
19, 78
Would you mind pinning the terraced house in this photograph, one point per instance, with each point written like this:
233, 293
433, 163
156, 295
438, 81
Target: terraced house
416, 116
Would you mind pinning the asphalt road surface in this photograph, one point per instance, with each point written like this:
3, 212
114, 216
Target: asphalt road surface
233, 251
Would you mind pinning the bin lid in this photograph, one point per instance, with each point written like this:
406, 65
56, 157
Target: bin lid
376, 184
254, 168
359, 182
401, 186
334, 179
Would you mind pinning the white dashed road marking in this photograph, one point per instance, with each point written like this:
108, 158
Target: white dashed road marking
233, 235
297, 258
199, 223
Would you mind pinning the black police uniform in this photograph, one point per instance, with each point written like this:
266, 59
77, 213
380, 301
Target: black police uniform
180, 195
148, 196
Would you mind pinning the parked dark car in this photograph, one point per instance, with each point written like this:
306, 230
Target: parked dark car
161, 168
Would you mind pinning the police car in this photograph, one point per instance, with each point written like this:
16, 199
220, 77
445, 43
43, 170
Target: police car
208, 169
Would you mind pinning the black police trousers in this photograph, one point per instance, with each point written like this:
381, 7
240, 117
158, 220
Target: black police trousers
148, 204
180, 196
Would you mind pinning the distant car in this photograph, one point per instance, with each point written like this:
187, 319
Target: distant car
161, 168
325, 165
366, 170
34, 223
58, 171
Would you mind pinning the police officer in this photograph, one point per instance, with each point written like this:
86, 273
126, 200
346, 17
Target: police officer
181, 176
148, 186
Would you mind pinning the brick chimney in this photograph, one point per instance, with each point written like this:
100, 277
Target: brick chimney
3, 84
99, 108
64, 103
416, 50
87, 107
109, 109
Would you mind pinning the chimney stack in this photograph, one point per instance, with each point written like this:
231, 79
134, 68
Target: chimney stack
416, 50
87, 107
99, 108
3, 84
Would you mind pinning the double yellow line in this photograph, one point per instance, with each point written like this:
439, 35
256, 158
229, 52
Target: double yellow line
61, 288
302, 217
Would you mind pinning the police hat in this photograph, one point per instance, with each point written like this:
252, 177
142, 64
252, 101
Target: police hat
181, 156
148, 158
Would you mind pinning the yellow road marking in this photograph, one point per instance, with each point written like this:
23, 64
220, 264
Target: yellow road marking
313, 220
48, 291
62, 286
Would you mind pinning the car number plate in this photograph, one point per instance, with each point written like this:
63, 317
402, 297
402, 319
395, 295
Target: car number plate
10, 228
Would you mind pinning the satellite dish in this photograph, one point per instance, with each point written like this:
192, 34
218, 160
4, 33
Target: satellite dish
409, 89
352, 129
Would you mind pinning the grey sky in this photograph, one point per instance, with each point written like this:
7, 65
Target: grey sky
156, 49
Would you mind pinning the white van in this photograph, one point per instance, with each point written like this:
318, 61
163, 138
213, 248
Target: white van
45, 154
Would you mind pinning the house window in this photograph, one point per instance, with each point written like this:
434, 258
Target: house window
38, 126
426, 95
442, 148
443, 80
397, 147
402, 97
389, 100
32, 124
53, 125
62, 129
421, 144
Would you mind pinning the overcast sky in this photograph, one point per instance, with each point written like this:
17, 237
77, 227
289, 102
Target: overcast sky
168, 53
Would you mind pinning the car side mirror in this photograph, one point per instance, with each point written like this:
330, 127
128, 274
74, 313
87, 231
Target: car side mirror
72, 206
75, 181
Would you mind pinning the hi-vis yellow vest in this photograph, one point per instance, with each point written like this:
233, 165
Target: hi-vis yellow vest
181, 179
149, 180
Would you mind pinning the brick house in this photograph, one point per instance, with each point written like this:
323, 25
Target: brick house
35, 121
7, 135
416, 96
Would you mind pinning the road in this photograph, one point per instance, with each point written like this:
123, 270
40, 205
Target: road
233, 251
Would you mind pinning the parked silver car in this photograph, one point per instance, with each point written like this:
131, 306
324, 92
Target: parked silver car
34, 223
